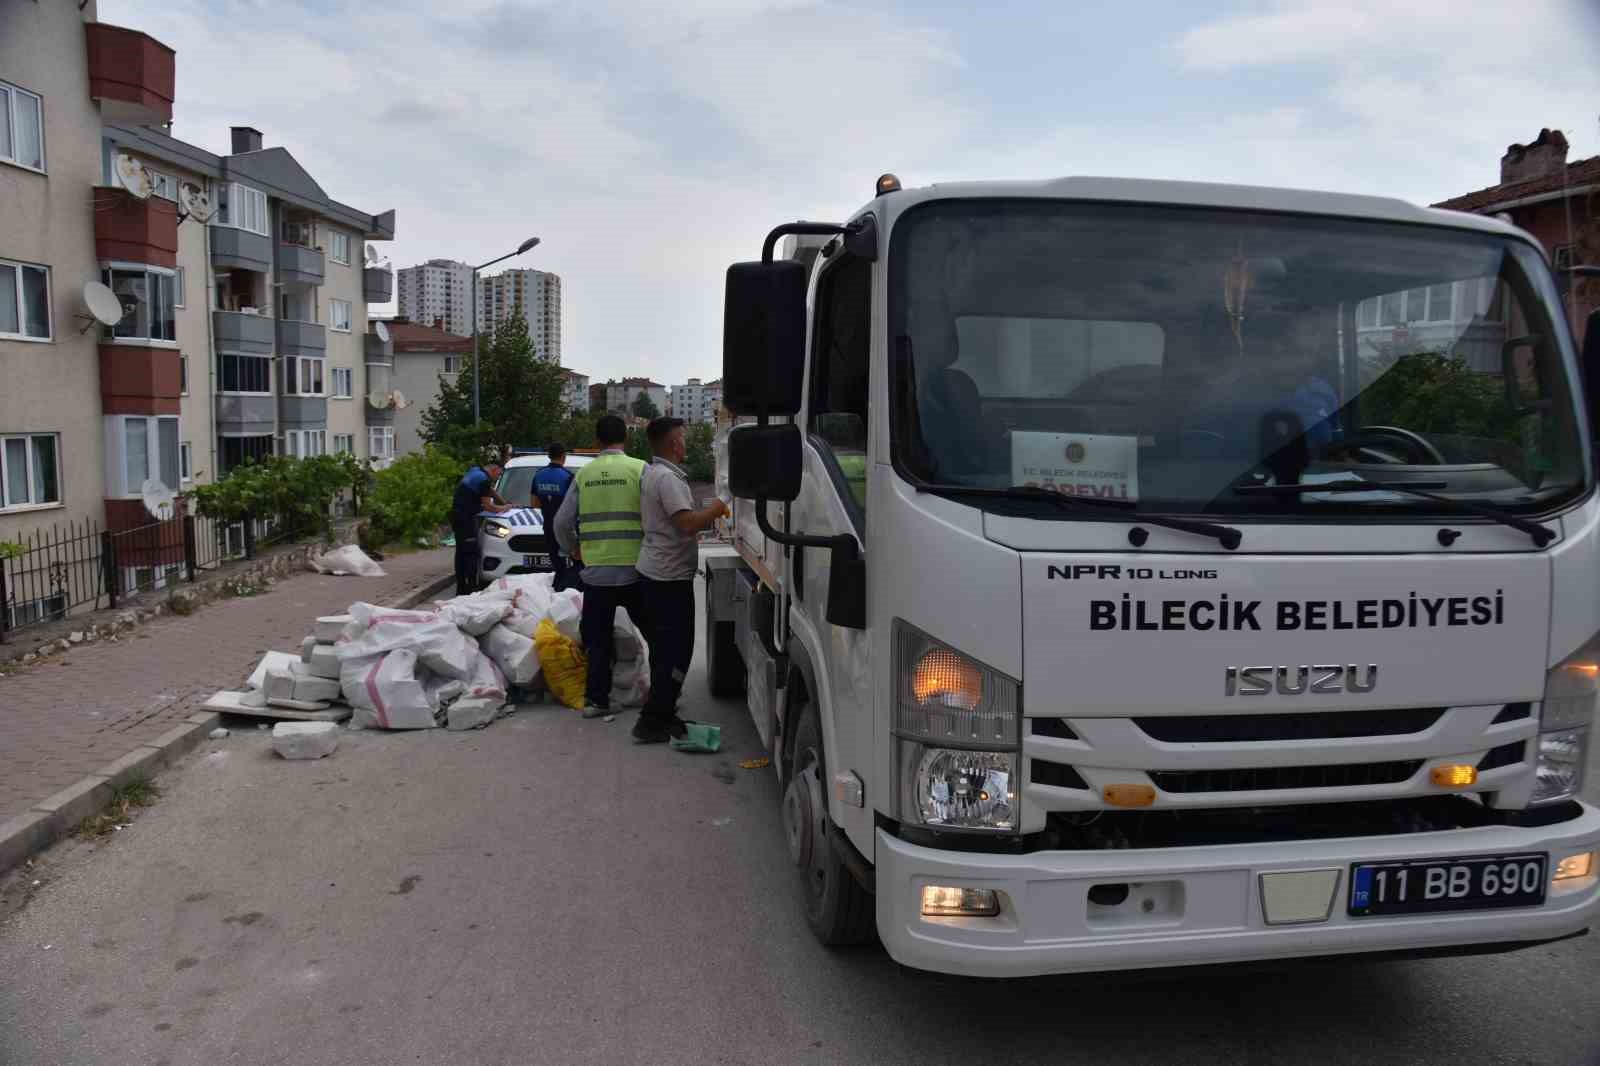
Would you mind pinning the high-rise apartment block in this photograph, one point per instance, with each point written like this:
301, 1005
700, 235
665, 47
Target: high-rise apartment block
696, 401
440, 289
537, 293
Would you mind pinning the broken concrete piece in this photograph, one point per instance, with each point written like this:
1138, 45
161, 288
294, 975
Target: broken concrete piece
329, 628
297, 705
305, 740
307, 647
472, 713
272, 660
323, 662
299, 684
217, 733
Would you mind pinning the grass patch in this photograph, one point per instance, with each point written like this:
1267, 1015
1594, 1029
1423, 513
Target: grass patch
125, 801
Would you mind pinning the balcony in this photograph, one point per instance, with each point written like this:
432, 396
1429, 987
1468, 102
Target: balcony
377, 352
378, 284
240, 249
300, 265
238, 332
135, 231
380, 415
245, 416
303, 412
131, 74
301, 338
137, 379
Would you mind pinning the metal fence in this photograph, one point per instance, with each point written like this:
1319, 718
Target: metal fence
64, 568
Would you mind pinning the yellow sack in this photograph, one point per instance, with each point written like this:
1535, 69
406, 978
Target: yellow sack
566, 668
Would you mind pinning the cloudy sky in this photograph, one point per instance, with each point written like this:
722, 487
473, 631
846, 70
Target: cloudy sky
650, 144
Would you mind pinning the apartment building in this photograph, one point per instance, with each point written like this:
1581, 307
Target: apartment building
537, 293
696, 401
440, 289
243, 329
422, 356
620, 395
575, 391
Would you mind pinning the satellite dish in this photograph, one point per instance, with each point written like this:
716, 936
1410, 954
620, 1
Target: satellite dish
132, 175
157, 499
102, 303
378, 400
399, 400
194, 201
382, 331
372, 255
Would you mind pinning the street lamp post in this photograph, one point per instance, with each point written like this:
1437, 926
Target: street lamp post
477, 373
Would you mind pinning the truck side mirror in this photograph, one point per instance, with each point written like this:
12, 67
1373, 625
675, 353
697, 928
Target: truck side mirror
1589, 366
764, 462
847, 584
764, 338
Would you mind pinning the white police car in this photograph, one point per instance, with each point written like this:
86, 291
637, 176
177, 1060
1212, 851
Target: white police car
512, 542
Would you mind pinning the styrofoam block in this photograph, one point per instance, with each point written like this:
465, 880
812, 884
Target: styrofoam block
473, 713
305, 740
329, 628
307, 646
323, 662
272, 660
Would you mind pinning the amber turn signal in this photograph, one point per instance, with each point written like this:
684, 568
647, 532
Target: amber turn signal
1455, 775
1129, 795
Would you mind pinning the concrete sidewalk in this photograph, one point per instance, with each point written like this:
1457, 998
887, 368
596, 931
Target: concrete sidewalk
71, 715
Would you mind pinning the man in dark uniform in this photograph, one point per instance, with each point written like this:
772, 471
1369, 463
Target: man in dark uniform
550, 485
474, 494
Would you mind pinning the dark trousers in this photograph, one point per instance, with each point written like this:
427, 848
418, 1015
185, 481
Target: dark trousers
669, 612
558, 562
600, 603
466, 564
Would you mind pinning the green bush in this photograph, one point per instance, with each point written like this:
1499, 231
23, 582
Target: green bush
411, 499
296, 494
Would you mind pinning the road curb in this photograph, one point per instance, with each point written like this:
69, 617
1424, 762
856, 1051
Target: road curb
29, 833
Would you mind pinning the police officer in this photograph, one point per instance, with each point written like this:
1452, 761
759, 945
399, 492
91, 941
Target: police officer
475, 493
599, 525
550, 485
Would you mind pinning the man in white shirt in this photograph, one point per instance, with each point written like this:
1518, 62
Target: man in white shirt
668, 562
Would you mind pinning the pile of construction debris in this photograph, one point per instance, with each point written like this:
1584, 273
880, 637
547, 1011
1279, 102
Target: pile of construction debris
459, 665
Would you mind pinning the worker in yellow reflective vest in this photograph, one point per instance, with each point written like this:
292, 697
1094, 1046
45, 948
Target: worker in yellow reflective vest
599, 525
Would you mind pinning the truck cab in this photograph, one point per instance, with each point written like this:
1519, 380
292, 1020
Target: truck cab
1138, 573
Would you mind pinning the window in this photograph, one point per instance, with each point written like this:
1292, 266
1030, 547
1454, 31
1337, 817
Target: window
183, 374
180, 283
186, 461
339, 248
302, 375
245, 373
339, 315
21, 127
242, 207
838, 408
150, 449
165, 185
24, 301
452, 364
1440, 302
344, 444
305, 443
147, 296
238, 450
30, 472
380, 442
343, 382
30, 612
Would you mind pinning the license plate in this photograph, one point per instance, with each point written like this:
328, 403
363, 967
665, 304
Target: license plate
1423, 886
536, 560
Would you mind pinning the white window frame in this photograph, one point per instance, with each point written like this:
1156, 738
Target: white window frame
380, 442
348, 375
305, 443
452, 364
344, 444
163, 184
117, 484
301, 371
334, 307
237, 194
13, 94
336, 239
180, 287
33, 490
185, 461
109, 332
18, 267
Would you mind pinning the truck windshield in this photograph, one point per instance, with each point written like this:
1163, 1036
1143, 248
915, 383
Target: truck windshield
1166, 357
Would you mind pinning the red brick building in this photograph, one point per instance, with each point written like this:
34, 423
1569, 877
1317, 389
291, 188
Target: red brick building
1559, 203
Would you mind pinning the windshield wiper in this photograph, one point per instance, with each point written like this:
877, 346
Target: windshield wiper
1227, 535
1541, 535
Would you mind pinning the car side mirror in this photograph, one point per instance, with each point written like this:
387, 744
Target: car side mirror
764, 338
764, 462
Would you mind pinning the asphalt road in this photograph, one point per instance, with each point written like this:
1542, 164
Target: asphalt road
545, 891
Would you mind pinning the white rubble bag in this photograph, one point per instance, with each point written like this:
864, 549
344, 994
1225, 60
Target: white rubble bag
349, 559
437, 642
567, 613
473, 616
488, 682
384, 692
514, 653
524, 622
630, 663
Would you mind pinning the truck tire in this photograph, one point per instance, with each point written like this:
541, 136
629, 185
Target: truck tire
838, 910
724, 664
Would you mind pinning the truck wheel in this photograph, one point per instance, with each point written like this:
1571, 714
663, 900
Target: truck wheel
724, 665
837, 908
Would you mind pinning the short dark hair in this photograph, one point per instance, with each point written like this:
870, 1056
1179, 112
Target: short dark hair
611, 429
557, 450
658, 429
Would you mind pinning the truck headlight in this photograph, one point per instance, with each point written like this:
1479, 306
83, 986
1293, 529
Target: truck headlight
495, 529
1571, 690
958, 724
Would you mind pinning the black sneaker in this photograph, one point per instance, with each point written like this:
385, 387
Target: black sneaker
594, 710
655, 731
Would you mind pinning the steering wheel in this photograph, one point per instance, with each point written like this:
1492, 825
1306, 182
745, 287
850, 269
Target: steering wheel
1376, 444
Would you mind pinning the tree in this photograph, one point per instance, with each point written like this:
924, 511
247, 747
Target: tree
521, 398
576, 431
644, 406
699, 463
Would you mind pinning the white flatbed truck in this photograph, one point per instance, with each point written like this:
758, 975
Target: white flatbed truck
1137, 574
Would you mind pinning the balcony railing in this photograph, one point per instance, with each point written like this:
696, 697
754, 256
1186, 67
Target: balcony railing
300, 264
301, 338
378, 284
135, 231
131, 74
240, 332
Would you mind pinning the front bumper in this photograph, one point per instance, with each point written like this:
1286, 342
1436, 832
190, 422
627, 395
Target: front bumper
497, 558
1200, 905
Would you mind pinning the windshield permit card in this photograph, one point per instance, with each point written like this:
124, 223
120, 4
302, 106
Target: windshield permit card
1077, 464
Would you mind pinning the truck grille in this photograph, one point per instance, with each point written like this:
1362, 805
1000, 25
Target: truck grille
528, 543
1316, 725
1057, 775
1270, 778
1514, 712
1504, 755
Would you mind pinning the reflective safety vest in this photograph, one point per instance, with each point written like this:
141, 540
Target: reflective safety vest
610, 530
854, 467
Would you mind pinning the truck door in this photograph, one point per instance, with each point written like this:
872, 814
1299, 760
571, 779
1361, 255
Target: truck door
833, 500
